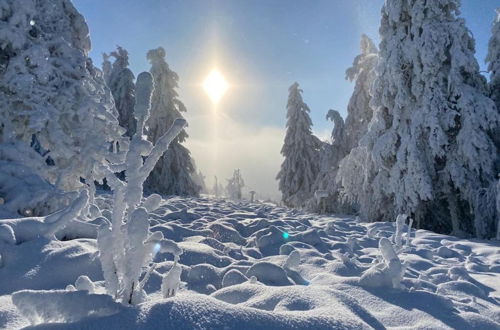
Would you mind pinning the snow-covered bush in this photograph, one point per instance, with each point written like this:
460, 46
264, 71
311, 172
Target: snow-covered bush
398, 233
121, 82
389, 272
428, 151
301, 152
51, 92
172, 280
127, 247
235, 185
173, 174
394, 267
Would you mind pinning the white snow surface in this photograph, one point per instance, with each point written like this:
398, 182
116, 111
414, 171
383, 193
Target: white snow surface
258, 266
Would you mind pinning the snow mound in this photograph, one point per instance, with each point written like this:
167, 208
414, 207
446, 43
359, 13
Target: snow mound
248, 265
60, 306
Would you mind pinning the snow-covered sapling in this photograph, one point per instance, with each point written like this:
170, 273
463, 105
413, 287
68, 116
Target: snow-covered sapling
398, 233
394, 268
172, 281
408, 234
127, 247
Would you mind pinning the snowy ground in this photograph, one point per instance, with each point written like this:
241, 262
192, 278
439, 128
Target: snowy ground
448, 283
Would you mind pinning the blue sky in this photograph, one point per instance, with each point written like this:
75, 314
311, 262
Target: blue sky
262, 47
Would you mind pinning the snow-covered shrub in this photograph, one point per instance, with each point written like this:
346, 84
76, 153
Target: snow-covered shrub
127, 247
398, 233
235, 185
120, 80
394, 267
389, 272
301, 152
51, 92
173, 174
408, 233
428, 150
172, 280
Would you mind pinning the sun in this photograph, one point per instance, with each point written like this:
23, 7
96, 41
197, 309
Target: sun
215, 85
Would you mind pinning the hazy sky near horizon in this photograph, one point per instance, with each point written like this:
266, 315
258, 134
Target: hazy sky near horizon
262, 47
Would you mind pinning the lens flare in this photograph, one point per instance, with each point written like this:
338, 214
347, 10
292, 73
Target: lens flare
215, 85
156, 248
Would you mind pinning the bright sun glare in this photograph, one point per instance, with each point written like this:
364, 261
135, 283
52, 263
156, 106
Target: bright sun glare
215, 85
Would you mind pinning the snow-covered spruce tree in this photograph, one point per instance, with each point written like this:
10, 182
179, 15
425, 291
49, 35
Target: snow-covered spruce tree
346, 136
235, 185
126, 246
301, 152
427, 151
121, 82
325, 189
493, 60
51, 92
173, 175
359, 112
498, 209
106, 67
199, 179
